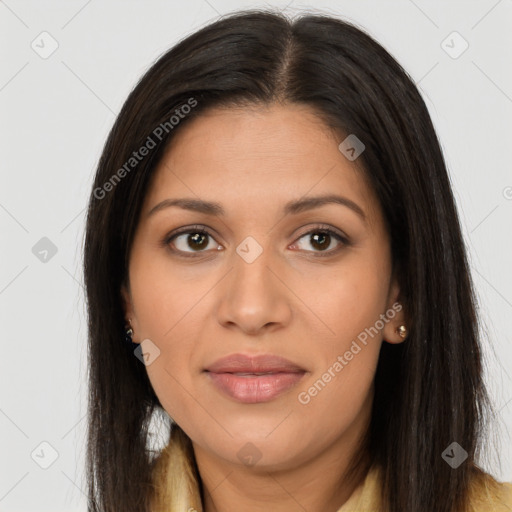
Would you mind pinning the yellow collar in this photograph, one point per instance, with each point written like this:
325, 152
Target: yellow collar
176, 487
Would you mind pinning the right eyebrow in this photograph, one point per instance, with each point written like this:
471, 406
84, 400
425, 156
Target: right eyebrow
196, 205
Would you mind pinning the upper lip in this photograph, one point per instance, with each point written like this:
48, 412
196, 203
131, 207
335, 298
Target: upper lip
241, 363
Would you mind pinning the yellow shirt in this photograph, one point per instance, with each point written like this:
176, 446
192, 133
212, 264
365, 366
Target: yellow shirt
177, 489
366, 497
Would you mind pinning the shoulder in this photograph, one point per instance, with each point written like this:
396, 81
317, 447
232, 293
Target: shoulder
489, 495
485, 494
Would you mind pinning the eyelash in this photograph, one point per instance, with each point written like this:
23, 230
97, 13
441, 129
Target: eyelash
198, 229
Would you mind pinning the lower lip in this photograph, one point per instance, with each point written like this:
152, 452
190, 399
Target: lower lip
257, 388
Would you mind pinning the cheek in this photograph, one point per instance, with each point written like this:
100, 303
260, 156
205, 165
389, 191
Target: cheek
347, 298
160, 307
159, 293
350, 302
170, 322
339, 389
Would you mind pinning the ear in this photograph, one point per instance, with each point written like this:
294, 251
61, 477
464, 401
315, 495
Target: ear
395, 314
129, 312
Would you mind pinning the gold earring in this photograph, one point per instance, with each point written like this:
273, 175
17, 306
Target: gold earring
402, 331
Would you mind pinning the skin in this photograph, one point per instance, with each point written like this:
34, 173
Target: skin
290, 301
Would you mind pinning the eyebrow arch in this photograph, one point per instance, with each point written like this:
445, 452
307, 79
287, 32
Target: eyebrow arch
308, 203
290, 208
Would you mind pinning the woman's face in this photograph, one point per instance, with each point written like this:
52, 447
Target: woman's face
265, 279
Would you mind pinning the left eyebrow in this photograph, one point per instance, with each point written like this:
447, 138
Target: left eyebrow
309, 203
290, 208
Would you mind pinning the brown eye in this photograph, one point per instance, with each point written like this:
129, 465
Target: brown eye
191, 240
197, 241
322, 240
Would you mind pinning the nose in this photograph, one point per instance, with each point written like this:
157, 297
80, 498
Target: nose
254, 297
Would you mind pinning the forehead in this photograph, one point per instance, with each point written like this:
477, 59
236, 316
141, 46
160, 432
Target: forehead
245, 156
276, 137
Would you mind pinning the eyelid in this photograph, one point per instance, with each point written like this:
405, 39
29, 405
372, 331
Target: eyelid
199, 228
196, 228
323, 228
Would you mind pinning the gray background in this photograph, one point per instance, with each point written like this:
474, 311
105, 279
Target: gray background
56, 111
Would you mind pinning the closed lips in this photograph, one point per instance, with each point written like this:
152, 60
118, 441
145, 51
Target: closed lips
241, 364
254, 379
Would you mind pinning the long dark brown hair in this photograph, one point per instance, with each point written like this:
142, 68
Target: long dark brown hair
429, 390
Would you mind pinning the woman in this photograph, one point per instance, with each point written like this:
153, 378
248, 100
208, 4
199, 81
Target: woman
272, 227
